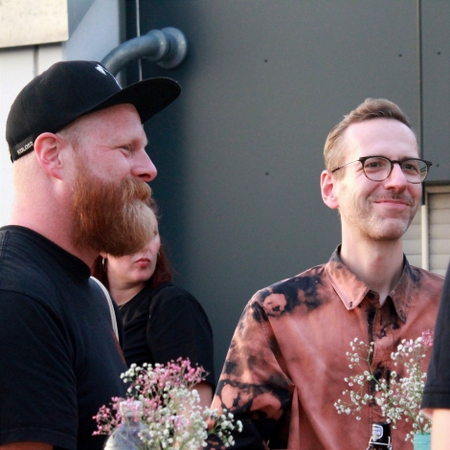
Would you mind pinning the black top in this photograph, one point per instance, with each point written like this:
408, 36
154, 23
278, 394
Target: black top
164, 324
437, 388
59, 358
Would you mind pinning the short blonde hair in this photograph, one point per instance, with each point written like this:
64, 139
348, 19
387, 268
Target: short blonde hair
371, 108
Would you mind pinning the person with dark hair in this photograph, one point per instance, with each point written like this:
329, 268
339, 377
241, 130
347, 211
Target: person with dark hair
286, 366
161, 321
436, 395
80, 172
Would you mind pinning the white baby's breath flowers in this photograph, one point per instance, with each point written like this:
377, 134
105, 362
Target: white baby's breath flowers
399, 397
172, 415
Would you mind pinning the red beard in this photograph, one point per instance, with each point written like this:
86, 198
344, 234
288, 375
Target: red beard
111, 217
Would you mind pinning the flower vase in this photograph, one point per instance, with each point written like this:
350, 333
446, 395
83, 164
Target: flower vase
422, 441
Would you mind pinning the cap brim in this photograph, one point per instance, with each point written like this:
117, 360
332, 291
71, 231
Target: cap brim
149, 96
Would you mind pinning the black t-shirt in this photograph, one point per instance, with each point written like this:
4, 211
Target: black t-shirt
59, 358
164, 324
437, 388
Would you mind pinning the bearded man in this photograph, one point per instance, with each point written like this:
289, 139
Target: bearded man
80, 173
287, 365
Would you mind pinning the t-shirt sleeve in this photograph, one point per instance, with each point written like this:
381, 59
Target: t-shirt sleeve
437, 388
36, 368
179, 327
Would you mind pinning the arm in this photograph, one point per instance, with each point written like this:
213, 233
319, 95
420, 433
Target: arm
205, 391
436, 396
252, 385
440, 431
27, 446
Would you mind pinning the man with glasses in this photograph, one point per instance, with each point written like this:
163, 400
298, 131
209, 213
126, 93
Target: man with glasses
287, 366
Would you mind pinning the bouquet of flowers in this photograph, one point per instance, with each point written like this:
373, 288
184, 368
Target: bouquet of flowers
398, 397
169, 408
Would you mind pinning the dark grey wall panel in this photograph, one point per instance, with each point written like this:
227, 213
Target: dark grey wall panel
240, 153
436, 86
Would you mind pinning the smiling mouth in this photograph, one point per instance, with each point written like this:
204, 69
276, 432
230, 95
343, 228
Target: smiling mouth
395, 201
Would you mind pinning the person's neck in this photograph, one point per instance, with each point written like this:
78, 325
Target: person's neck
56, 232
123, 292
379, 264
48, 214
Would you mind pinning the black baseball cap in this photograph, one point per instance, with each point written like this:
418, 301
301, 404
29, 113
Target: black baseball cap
71, 89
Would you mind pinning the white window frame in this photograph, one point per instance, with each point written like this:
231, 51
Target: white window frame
424, 214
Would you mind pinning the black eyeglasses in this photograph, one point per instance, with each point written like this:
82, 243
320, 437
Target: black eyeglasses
378, 168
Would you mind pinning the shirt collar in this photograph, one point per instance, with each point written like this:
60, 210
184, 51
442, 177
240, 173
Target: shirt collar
352, 291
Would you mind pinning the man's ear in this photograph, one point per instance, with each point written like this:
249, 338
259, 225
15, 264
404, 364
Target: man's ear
47, 147
328, 189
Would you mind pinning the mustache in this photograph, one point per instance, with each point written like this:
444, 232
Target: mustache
394, 196
135, 189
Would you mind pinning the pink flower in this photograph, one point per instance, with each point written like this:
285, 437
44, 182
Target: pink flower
427, 338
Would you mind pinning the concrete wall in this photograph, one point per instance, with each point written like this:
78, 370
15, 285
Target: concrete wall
240, 153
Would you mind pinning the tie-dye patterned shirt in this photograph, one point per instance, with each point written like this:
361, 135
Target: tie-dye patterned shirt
287, 361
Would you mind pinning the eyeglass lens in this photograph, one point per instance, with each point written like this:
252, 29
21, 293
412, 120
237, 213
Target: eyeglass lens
379, 168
